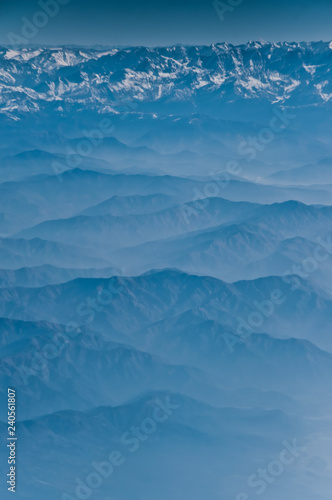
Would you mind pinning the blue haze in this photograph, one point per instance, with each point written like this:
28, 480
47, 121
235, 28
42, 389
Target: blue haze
166, 263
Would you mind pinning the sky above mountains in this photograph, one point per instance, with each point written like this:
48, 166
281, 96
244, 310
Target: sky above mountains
151, 23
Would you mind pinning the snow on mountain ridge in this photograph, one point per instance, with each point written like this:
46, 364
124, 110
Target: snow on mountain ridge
275, 72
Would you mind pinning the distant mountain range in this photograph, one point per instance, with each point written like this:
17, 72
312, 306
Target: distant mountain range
60, 78
179, 257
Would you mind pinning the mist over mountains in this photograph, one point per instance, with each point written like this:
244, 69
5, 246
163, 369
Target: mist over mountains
165, 270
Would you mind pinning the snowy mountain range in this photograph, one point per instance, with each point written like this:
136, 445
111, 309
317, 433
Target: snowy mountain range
33, 80
173, 262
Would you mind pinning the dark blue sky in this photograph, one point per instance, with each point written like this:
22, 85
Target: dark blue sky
165, 22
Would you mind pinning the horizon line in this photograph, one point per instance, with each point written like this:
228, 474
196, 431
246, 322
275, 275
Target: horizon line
98, 46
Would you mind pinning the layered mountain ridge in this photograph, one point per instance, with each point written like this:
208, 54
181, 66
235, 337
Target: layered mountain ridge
165, 275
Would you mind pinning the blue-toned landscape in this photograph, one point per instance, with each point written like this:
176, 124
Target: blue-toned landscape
166, 270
